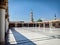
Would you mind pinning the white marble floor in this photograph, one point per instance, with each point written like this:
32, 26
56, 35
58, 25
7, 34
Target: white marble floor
34, 36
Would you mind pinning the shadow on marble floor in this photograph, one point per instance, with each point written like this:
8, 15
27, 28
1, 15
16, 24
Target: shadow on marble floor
20, 39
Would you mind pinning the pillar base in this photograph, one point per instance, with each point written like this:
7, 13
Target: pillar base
2, 43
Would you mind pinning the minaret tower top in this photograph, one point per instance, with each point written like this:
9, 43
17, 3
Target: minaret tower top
55, 16
31, 15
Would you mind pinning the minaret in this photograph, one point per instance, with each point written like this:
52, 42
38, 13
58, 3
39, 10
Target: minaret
2, 21
31, 16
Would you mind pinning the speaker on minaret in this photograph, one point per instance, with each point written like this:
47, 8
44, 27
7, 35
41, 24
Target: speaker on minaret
31, 16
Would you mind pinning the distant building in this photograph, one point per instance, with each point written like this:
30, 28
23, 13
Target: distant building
45, 24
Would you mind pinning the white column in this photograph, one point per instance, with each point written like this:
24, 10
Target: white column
39, 25
36, 25
44, 26
7, 24
28, 24
33, 25
2, 25
16, 24
50, 25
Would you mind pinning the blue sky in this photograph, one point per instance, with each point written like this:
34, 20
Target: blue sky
19, 10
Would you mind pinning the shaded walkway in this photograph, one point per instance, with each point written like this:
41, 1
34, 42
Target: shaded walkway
20, 39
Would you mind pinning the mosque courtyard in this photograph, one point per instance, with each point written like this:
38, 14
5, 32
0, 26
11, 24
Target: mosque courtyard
33, 36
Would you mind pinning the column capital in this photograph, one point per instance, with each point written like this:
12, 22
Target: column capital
3, 4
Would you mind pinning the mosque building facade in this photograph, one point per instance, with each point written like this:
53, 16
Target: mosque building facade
44, 24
